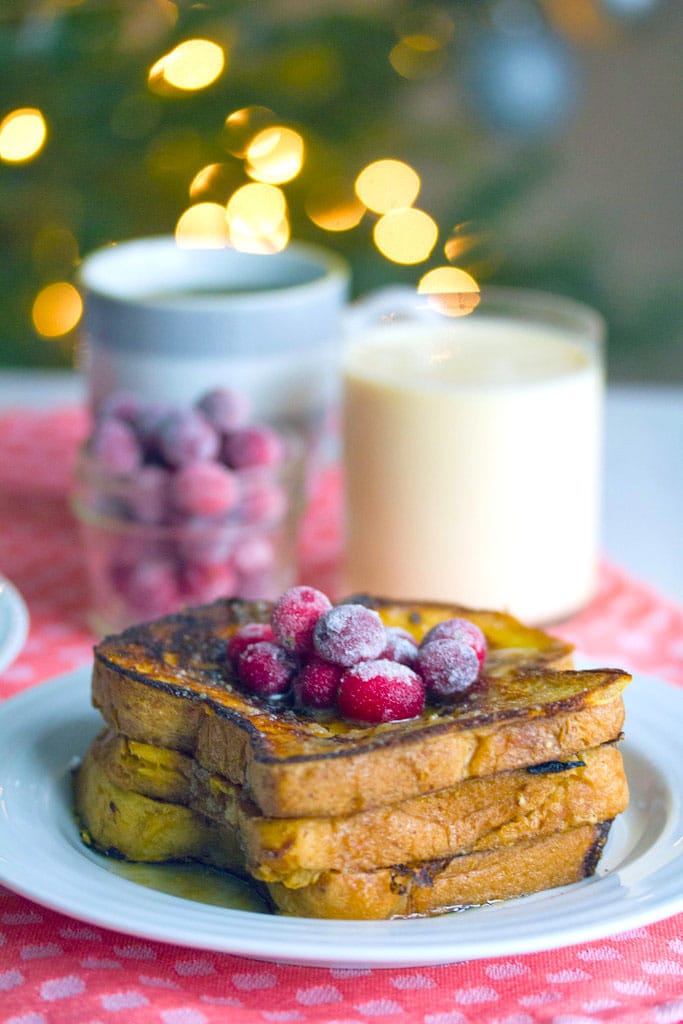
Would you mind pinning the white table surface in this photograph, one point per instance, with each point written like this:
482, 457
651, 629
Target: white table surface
642, 525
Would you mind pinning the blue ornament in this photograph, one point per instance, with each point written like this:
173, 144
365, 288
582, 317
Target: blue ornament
525, 84
629, 8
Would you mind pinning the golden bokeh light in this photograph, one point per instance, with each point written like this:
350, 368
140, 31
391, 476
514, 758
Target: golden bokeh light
193, 64
406, 236
452, 291
463, 239
56, 310
22, 135
275, 155
256, 209
417, 57
202, 226
334, 206
242, 126
274, 240
386, 185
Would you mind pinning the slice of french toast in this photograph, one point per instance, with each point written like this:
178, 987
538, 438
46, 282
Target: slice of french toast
169, 684
145, 829
476, 814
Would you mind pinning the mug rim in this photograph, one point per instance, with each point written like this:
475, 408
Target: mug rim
327, 269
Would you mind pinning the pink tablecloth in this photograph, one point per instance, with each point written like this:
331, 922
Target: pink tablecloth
57, 971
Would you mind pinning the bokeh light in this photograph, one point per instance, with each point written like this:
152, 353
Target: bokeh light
257, 218
202, 226
386, 185
334, 206
22, 135
451, 290
191, 65
406, 236
275, 155
56, 310
242, 126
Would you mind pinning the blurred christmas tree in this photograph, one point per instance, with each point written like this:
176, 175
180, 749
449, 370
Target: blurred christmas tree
123, 119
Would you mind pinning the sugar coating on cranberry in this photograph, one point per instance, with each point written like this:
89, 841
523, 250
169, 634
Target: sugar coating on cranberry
253, 446
204, 489
317, 683
294, 616
349, 633
380, 691
449, 667
226, 410
115, 447
186, 435
266, 669
459, 629
245, 636
400, 645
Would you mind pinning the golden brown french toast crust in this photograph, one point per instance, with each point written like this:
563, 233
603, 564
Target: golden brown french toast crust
169, 683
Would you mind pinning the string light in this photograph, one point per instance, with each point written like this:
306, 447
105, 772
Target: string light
191, 65
406, 236
56, 310
275, 155
386, 185
22, 135
202, 226
452, 291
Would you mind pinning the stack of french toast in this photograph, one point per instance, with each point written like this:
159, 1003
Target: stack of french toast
507, 791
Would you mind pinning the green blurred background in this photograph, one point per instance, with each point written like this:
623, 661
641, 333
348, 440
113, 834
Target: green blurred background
546, 133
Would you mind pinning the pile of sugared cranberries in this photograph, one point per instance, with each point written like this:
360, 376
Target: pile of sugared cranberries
343, 657
208, 484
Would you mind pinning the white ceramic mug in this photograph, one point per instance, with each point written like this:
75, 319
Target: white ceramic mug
473, 452
171, 323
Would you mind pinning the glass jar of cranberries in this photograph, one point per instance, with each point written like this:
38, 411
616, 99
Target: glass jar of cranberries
180, 506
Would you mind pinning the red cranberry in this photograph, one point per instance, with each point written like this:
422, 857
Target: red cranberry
185, 435
265, 669
295, 615
349, 633
380, 691
204, 489
448, 667
459, 629
317, 684
225, 409
202, 583
400, 645
253, 446
115, 447
245, 636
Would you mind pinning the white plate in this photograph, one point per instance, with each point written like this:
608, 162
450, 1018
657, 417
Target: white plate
13, 622
640, 878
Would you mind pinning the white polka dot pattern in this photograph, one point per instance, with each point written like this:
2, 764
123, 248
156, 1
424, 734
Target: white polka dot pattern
57, 971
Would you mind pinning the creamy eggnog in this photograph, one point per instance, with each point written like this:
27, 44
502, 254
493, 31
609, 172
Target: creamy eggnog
472, 455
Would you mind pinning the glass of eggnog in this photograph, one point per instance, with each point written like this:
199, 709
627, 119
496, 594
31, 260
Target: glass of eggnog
472, 451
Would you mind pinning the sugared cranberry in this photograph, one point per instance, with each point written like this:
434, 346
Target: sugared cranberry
295, 615
448, 667
380, 691
349, 633
400, 645
204, 489
202, 583
149, 588
253, 555
262, 502
317, 684
115, 447
253, 446
226, 410
147, 423
185, 436
147, 494
245, 636
266, 669
459, 629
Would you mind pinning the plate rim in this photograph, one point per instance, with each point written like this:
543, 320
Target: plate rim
17, 633
340, 943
